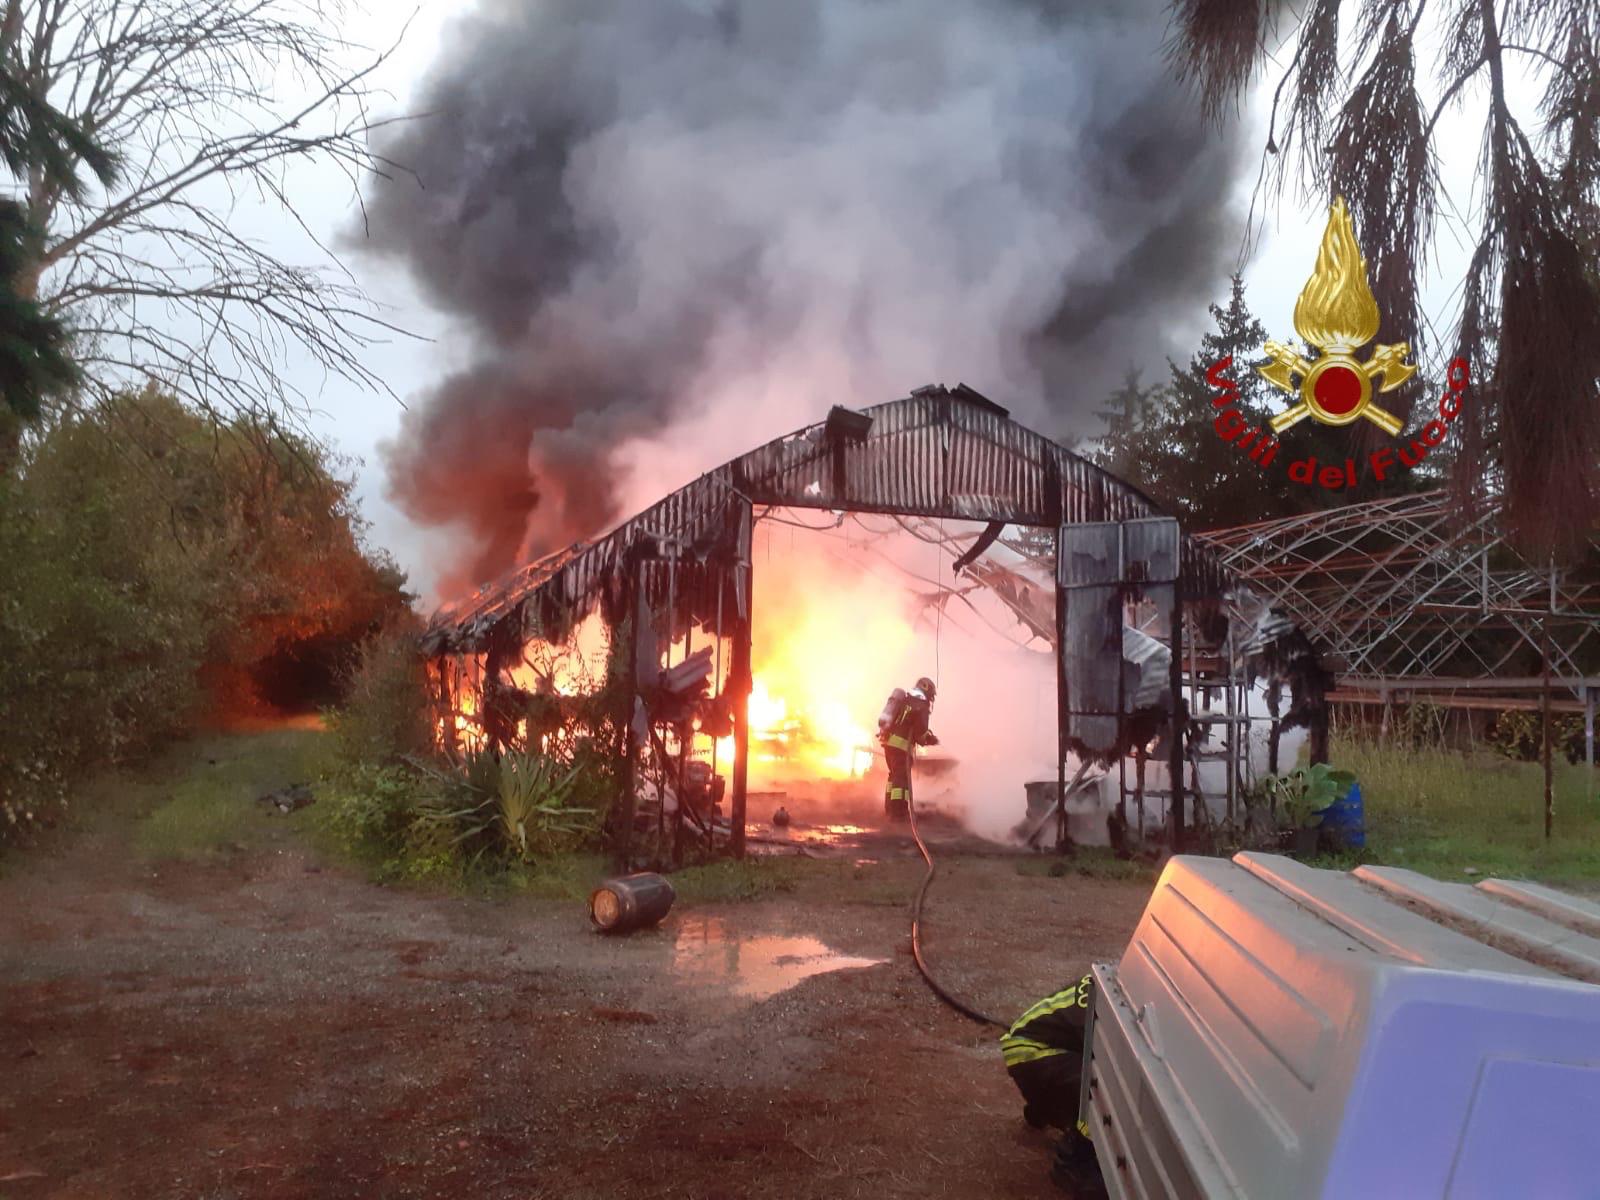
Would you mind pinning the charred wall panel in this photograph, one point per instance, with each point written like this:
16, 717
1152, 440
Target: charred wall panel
1088, 571
1098, 566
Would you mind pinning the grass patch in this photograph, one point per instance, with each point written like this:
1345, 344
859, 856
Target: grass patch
1092, 862
574, 877
752, 879
1440, 812
569, 877
207, 801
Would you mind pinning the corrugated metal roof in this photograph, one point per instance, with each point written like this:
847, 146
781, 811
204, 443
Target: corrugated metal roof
935, 453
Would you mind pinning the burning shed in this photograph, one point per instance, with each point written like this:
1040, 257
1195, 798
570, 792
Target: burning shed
645, 633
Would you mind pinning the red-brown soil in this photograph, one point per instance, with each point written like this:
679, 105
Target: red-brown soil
265, 1023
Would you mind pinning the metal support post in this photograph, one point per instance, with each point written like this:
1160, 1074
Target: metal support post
1544, 732
739, 679
1233, 728
1063, 707
630, 749
1588, 738
1175, 751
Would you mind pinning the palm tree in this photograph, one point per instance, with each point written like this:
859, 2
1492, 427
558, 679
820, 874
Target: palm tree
36, 140
1349, 117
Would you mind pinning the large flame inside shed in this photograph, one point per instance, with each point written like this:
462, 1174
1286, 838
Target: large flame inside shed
831, 640
835, 632
842, 617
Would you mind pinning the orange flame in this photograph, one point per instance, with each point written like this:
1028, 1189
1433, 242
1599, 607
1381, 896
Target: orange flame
830, 642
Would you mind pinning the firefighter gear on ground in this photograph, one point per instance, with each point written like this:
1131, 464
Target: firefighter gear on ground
903, 726
1044, 1056
1075, 1169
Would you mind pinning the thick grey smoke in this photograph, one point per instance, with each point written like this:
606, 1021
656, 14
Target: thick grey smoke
675, 227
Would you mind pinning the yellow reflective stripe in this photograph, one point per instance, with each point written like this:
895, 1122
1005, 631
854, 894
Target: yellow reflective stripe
1050, 1004
1076, 995
1044, 1008
898, 742
895, 793
1022, 1059
1083, 1127
1021, 1050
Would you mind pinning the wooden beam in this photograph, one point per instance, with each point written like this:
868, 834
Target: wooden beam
1544, 730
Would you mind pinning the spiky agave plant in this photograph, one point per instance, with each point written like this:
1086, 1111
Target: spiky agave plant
461, 817
536, 811
516, 804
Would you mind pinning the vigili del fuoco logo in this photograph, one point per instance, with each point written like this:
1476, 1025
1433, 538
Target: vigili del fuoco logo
1336, 314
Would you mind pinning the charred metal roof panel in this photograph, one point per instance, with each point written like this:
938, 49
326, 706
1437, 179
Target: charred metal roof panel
934, 453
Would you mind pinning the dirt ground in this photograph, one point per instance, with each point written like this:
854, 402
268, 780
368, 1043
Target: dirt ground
263, 1022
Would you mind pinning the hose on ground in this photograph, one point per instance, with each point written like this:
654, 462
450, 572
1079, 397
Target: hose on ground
938, 989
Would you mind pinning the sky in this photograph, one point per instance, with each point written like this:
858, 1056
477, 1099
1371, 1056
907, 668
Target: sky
357, 422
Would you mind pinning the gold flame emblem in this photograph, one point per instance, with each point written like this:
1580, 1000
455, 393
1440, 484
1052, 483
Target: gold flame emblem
1336, 313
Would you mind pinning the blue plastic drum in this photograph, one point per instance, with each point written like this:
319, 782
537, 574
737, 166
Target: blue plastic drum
1346, 819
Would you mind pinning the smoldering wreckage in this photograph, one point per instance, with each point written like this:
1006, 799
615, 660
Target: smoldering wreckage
676, 591
1260, 1034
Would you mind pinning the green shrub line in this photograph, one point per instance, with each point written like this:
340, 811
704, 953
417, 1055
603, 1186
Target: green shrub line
423, 823
159, 566
1435, 811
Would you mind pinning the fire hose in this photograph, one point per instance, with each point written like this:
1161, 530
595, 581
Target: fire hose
938, 989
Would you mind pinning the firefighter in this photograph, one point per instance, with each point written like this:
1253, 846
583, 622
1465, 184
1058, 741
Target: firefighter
1044, 1054
902, 726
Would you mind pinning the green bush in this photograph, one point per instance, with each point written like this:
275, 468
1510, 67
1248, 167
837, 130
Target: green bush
518, 807
151, 560
105, 618
386, 713
1519, 734
370, 810
411, 822
1302, 794
373, 814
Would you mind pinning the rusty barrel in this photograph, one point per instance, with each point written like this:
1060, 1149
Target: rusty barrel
631, 902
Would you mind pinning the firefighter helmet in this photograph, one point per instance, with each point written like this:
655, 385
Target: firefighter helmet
926, 687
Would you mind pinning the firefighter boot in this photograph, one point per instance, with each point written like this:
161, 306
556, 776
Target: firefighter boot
1075, 1170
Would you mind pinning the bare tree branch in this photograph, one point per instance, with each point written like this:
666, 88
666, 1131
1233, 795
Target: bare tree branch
152, 273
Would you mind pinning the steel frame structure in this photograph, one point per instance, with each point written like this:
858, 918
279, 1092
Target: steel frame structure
1408, 589
1411, 598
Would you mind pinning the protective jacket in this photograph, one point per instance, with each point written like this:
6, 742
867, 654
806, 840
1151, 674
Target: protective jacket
908, 724
902, 725
1043, 1051
1053, 1026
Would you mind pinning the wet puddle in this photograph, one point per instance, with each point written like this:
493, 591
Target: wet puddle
832, 836
706, 952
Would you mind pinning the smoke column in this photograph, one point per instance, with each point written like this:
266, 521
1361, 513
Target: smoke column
670, 229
